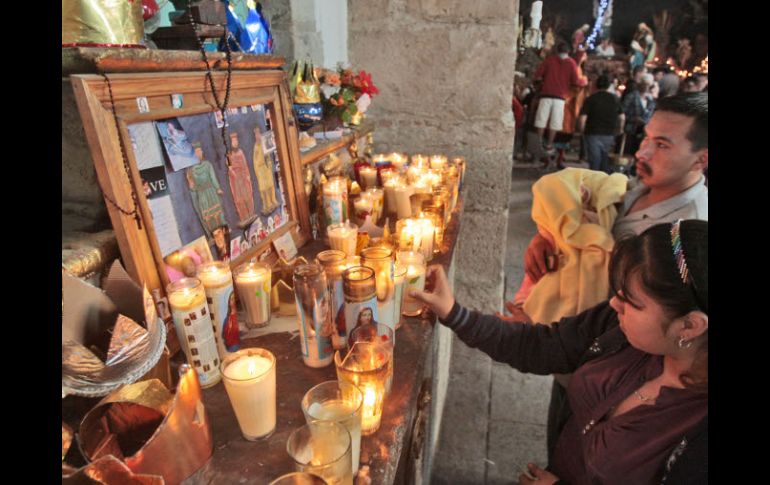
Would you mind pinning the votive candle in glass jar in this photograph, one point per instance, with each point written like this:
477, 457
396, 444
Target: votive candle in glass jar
334, 262
408, 234
381, 260
335, 200
438, 162
249, 377
368, 177
194, 329
400, 279
415, 280
437, 217
390, 193
360, 290
428, 235
377, 196
363, 206
218, 283
322, 449
367, 366
343, 237
315, 316
398, 160
402, 194
420, 161
252, 281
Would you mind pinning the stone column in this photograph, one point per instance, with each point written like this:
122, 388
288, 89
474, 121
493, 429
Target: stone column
445, 71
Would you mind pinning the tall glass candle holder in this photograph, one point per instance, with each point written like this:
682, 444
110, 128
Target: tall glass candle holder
460, 163
408, 235
218, 283
377, 196
400, 279
194, 329
368, 177
441, 197
366, 366
363, 206
415, 280
402, 194
414, 173
335, 200
438, 162
252, 281
381, 260
343, 237
420, 161
334, 263
249, 377
322, 449
360, 290
390, 193
313, 310
437, 218
428, 235
340, 402
377, 334
398, 160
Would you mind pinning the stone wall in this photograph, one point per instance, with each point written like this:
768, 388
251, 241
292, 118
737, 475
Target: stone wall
445, 71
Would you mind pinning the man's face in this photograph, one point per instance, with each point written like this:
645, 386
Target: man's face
665, 157
234, 141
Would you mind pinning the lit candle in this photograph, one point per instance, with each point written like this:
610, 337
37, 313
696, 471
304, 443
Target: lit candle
414, 173
420, 161
370, 419
334, 262
400, 280
194, 329
435, 214
218, 283
368, 177
249, 376
390, 193
415, 280
376, 195
403, 204
362, 207
428, 234
343, 236
398, 160
409, 234
380, 259
252, 280
366, 366
437, 162
335, 199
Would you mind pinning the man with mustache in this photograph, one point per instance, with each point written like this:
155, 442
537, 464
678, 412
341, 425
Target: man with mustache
670, 185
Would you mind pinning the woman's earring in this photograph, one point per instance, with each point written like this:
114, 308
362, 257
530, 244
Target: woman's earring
684, 344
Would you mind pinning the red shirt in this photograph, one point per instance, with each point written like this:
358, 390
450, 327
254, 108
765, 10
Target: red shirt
558, 76
518, 111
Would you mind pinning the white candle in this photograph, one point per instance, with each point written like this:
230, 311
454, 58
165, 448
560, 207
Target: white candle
438, 162
398, 160
428, 234
420, 161
409, 235
403, 204
368, 177
252, 281
377, 196
415, 280
342, 237
218, 282
390, 193
194, 329
414, 173
335, 198
362, 207
249, 376
371, 412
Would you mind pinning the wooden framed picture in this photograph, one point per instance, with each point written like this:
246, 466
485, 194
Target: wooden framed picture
184, 184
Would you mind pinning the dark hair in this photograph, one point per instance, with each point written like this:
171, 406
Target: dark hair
692, 105
603, 81
690, 79
562, 48
699, 75
664, 69
650, 255
636, 70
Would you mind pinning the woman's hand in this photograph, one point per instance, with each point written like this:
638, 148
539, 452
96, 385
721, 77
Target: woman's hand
440, 300
542, 477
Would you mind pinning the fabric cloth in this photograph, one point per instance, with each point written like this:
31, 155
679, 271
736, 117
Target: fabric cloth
596, 447
583, 248
568, 345
550, 111
693, 203
558, 75
602, 110
598, 149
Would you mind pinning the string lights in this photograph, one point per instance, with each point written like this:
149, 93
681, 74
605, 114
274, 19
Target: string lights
603, 4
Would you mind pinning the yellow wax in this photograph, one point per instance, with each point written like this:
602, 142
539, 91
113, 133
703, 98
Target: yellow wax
187, 299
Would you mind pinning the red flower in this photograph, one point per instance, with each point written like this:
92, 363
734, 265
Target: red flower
365, 84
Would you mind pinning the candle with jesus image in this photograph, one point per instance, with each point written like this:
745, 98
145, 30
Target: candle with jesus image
218, 283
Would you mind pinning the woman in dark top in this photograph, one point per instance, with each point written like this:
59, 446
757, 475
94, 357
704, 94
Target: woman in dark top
639, 393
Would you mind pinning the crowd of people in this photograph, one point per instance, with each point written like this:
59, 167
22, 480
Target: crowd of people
556, 106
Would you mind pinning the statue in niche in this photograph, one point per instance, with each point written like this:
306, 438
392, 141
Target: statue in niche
205, 192
240, 183
264, 173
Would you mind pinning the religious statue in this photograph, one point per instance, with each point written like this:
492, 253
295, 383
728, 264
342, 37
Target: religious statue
264, 173
683, 53
579, 37
240, 183
205, 192
549, 41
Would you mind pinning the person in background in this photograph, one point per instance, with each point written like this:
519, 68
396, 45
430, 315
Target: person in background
605, 49
701, 80
600, 120
558, 72
667, 80
638, 106
636, 77
690, 85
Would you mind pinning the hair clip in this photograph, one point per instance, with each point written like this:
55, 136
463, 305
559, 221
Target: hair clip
676, 244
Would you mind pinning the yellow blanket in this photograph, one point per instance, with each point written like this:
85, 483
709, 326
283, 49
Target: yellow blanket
583, 248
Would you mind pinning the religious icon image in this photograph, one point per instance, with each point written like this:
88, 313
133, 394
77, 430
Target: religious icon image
240, 183
184, 262
264, 173
365, 317
222, 243
180, 151
205, 192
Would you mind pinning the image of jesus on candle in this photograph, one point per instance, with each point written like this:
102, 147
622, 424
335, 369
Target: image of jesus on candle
365, 317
